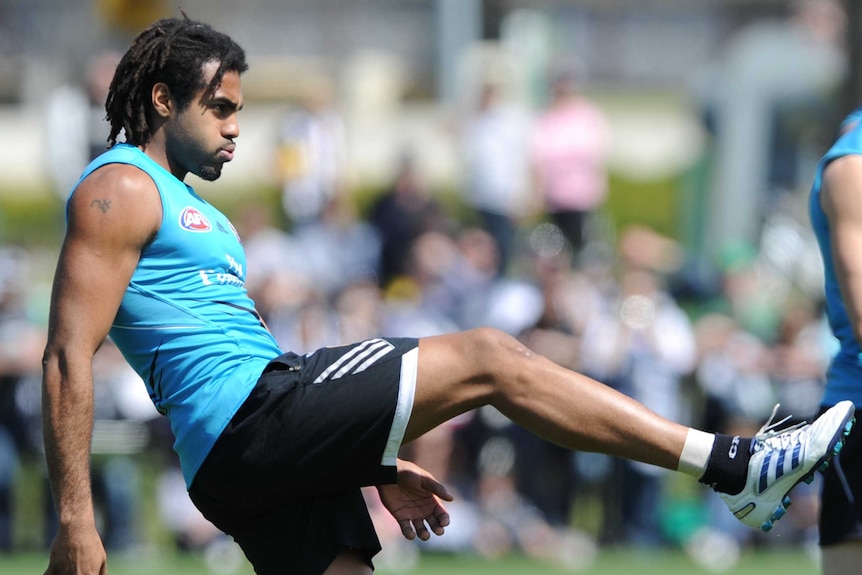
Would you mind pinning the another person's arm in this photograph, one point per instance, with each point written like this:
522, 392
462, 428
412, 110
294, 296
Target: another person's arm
841, 199
112, 215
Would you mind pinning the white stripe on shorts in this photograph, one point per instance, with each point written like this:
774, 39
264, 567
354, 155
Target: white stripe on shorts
404, 407
375, 352
361, 352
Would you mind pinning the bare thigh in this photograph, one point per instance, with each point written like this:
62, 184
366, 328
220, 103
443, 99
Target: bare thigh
462, 371
451, 379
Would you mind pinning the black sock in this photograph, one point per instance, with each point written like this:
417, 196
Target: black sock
727, 468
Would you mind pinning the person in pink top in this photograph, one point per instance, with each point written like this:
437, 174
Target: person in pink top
569, 149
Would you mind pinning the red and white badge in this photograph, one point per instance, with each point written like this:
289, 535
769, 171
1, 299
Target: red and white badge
192, 220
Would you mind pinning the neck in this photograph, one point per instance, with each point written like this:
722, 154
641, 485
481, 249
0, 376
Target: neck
157, 151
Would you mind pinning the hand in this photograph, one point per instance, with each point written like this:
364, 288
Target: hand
78, 552
415, 501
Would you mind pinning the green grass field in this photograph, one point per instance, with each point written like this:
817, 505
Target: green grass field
609, 562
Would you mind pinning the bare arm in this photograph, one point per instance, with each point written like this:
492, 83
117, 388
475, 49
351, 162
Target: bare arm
112, 215
841, 199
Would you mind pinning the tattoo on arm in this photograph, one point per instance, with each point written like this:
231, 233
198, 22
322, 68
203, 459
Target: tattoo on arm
103, 205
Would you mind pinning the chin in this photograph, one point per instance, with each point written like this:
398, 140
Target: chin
209, 173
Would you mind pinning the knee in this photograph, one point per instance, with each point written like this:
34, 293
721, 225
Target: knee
498, 341
502, 356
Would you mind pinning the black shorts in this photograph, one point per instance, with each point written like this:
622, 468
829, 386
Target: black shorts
284, 477
841, 497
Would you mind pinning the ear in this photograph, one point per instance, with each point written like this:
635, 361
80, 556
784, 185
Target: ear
162, 102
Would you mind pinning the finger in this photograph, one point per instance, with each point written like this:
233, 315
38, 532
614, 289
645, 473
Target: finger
434, 525
437, 489
407, 529
442, 516
421, 530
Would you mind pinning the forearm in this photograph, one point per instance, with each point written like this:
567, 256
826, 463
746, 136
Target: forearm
67, 422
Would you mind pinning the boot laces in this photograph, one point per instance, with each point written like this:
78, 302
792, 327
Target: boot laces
770, 436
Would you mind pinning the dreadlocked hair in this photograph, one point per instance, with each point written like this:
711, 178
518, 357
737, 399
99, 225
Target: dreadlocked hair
172, 51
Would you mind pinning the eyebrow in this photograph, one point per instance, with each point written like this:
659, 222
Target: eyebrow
225, 101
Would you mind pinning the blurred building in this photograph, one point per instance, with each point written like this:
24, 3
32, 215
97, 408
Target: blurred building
400, 66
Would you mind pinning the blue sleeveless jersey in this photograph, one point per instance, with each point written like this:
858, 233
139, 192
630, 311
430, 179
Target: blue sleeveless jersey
844, 377
186, 323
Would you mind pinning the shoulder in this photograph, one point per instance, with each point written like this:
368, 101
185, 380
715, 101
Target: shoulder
841, 190
843, 170
117, 195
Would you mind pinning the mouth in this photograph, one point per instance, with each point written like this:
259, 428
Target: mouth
226, 153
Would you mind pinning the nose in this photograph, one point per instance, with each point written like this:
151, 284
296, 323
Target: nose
230, 129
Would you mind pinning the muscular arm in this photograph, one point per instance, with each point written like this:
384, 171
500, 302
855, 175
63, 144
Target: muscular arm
112, 215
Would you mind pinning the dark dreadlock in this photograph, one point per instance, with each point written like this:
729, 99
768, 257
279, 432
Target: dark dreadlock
172, 51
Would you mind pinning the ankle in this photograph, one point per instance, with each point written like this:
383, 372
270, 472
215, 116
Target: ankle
695, 453
727, 467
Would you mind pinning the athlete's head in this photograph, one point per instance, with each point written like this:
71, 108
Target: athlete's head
188, 57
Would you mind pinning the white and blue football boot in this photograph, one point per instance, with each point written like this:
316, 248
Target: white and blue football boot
782, 458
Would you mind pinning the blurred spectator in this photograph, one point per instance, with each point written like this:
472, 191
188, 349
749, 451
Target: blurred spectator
339, 248
290, 278
359, 311
750, 292
296, 311
569, 150
190, 530
513, 303
644, 343
268, 248
311, 154
800, 360
76, 128
293, 276
733, 372
495, 142
479, 269
21, 344
495, 520
404, 212
545, 474
422, 298
508, 522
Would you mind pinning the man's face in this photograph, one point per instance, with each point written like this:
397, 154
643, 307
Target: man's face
200, 139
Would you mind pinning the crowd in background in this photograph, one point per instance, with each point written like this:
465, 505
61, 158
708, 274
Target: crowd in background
617, 304
530, 249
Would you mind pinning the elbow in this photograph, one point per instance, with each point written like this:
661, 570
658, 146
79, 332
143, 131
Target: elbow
56, 365
50, 360
67, 384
